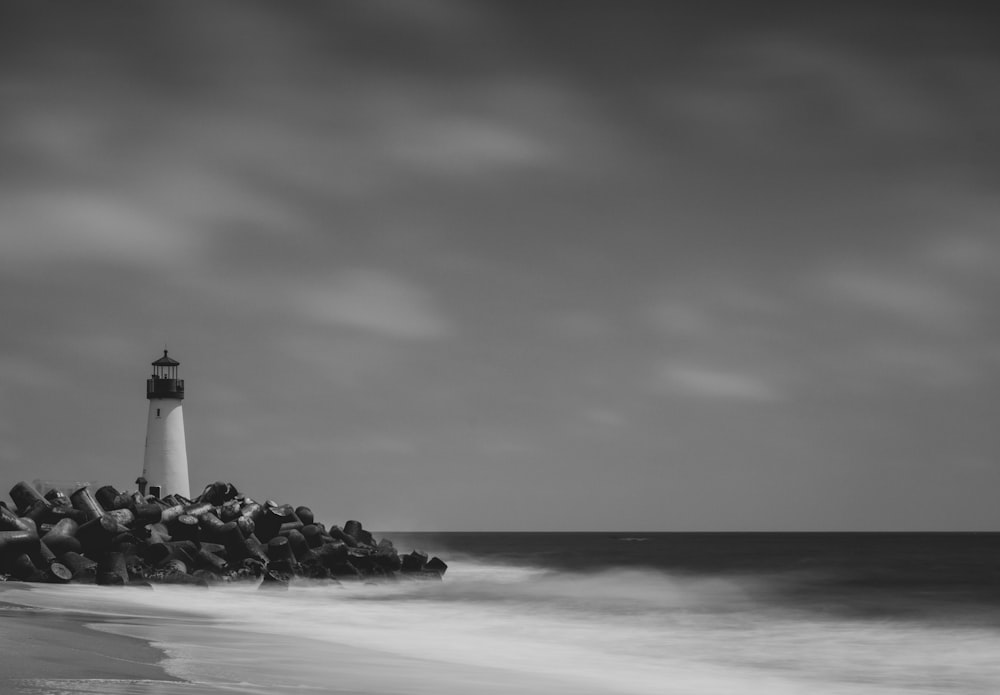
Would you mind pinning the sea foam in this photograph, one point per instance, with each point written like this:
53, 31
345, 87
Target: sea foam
491, 628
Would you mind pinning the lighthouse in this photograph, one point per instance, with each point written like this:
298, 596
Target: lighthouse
165, 464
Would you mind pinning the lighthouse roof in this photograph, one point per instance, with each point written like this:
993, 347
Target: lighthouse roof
165, 361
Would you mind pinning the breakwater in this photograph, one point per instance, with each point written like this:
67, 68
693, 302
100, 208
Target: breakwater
125, 538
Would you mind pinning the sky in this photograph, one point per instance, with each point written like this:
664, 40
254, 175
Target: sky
544, 266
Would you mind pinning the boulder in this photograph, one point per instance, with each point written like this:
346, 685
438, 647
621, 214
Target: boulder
84, 500
414, 561
436, 564
111, 569
24, 495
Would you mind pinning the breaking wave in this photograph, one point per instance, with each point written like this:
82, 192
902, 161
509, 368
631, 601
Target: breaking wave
492, 628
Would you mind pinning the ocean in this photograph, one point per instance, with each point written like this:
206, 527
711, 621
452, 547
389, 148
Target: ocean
588, 613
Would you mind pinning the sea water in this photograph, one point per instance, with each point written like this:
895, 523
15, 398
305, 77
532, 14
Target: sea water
664, 614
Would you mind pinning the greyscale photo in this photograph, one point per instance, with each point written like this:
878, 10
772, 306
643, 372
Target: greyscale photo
472, 347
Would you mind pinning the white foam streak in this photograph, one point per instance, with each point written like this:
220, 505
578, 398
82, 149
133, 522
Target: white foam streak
492, 629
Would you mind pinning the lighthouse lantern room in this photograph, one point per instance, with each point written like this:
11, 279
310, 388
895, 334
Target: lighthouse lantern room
165, 462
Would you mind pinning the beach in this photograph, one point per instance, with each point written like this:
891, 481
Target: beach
169, 640
552, 614
49, 644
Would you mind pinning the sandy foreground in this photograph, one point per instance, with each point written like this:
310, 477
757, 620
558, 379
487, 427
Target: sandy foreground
58, 640
37, 643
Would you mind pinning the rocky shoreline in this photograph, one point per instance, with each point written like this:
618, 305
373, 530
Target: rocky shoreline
127, 538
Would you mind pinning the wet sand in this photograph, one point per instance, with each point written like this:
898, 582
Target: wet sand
39, 643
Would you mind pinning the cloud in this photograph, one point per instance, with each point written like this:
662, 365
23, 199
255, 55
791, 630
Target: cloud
73, 225
706, 382
902, 296
953, 227
935, 366
604, 418
964, 254
378, 302
770, 88
464, 145
680, 318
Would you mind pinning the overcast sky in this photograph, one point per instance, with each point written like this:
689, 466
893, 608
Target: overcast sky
512, 266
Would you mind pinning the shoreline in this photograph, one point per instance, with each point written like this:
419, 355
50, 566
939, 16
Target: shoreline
48, 644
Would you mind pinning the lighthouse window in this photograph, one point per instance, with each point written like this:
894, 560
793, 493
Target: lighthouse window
157, 412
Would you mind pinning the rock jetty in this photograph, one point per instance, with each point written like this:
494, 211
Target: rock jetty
127, 538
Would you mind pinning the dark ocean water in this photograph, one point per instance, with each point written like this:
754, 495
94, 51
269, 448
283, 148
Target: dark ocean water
875, 573
666, 614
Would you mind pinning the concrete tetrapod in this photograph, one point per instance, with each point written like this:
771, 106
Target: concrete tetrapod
116, 538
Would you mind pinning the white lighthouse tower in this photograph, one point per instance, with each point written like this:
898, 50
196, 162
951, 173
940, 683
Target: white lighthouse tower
165, 464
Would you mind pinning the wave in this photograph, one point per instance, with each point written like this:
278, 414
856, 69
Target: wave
609, 592
491, 627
